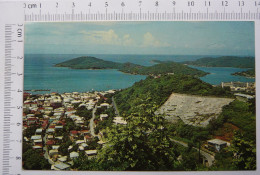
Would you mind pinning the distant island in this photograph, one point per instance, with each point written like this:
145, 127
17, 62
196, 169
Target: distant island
224, 61
249, 73
162, 67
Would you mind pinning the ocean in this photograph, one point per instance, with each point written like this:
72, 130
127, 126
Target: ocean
40, 73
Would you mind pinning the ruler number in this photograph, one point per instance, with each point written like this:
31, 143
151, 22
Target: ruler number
257, 3
18, 158
89, 4
156, 3
18, 124
225, 3
19, 90
19, 58
19, 107
140, 3
122, 4
191, 3
73, 5
173, 3
106, 4
241, 3
57, 4
207, 3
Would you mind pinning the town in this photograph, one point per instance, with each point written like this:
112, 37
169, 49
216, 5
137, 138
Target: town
61, 126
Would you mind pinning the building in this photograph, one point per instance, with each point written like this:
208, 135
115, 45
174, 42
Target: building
61, 166
216, 144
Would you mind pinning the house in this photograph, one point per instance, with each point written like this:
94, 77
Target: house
216, 144
36, 137
61, 166
50, 142
103, 116
50, 130
37, 147
55, 147
105, 105
80, 141
74, 155
91, 153
63, 159
38, 131
119, 120
87, 138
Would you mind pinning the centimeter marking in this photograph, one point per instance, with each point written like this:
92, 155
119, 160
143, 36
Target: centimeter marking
7, 99
148, 10
149, 16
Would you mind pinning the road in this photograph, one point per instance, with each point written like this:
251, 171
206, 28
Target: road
115, 107
209, 157
91, 122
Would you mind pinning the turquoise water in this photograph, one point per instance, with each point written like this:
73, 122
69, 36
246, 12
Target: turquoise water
222, 74
39, 73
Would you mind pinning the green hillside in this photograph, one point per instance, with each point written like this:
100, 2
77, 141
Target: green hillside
87, 62
224, 61
159, 89
160, 68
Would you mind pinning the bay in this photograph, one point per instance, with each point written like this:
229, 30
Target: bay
222, 74
40, 73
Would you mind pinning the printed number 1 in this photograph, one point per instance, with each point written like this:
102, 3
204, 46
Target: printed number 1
257, 3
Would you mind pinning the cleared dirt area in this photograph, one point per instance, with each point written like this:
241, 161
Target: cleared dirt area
191, 109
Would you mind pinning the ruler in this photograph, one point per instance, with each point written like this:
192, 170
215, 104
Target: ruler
151, 10
15, 14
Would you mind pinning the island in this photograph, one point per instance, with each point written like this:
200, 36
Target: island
161, 67
224, 61
249, 73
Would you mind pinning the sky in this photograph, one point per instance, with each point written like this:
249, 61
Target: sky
162, 38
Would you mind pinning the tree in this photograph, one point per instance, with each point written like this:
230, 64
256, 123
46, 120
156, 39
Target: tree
34, 161
142, 144
244, 152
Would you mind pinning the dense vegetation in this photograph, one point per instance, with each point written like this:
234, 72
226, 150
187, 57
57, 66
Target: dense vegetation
143, 145
224, 61
163, 67
248, 73
243, 139
89, 63
161, 88
160, 68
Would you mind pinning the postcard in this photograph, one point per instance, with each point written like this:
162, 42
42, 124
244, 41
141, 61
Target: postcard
139, 96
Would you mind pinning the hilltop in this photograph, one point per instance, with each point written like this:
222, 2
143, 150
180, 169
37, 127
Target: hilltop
224, 61
159, 90
161, 67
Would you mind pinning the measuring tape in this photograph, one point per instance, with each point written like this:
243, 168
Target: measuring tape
15, 14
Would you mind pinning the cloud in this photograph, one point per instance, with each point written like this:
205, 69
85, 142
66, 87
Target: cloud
151, 41
107, 37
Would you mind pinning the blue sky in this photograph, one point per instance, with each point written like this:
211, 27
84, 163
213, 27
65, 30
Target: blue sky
177, 38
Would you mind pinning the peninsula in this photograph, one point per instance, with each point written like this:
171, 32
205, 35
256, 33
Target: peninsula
224, 61
162, 67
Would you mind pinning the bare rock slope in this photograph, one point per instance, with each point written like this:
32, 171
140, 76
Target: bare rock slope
191, 109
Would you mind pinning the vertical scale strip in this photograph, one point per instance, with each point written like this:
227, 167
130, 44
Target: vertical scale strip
7, 99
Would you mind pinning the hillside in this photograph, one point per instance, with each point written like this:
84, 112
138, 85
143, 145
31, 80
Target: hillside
87, 62
249, 73
159, 90
224, 61
164, 67
160, 68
